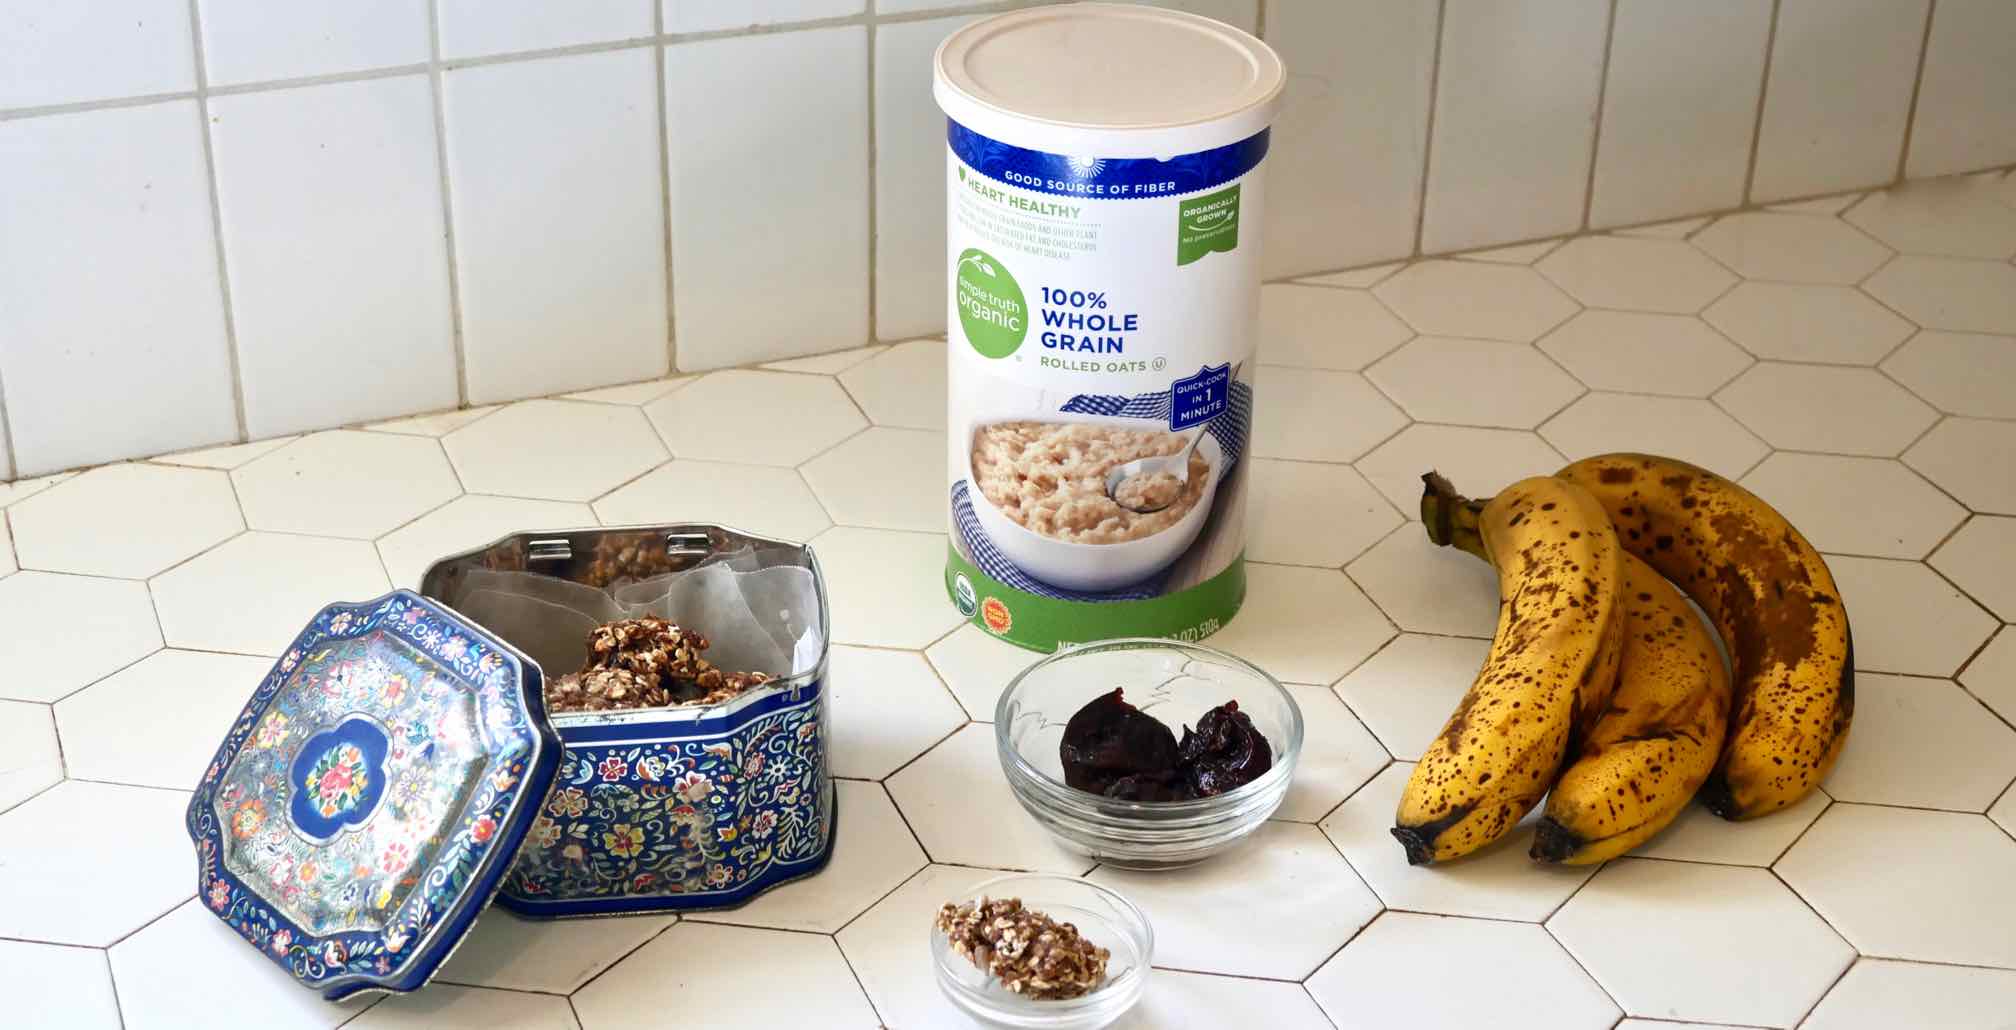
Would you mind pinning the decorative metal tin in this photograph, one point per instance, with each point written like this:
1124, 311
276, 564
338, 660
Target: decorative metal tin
373, 793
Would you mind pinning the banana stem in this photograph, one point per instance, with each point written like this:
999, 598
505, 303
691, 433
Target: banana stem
1449, 517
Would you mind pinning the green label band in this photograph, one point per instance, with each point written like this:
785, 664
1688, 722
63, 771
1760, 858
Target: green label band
1045, 624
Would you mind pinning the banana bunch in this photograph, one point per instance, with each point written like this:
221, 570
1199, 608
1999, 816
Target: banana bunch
1592, 562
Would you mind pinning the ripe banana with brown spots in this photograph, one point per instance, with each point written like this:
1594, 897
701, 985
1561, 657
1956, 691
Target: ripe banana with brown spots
1772, 598
1551, 665
1655, 743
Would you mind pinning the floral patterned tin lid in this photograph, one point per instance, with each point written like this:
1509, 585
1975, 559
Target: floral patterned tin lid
373, 792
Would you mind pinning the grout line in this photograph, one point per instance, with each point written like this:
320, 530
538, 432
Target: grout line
1428, 131
231, 356
305, 81
434, 90
1763, 93
1917, 89
1596, 131
658, 57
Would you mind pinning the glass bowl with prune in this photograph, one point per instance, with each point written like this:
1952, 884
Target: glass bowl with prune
1146, 753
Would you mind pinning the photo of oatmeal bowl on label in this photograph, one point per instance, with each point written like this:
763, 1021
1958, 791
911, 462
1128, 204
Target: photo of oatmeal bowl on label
1040, 495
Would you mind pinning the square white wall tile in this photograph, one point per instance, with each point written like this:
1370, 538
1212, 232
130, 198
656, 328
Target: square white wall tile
111, 317
910, 258
907, 6
1243, 14
1838, 95
1678, 108
711, 15
259, 40
1966, 117
334, 243
471, 28
768, 139
1514, 111
1344, 170
559, 223
65, 51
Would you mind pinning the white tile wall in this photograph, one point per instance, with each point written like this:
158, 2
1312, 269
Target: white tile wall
473, 28
711, 15
1966, 116
1344, 169
559, 223
1838, 96
111, 320
769, 165
910, 174
1679, 107
258, 40
330, 199
1515, 108
63, 51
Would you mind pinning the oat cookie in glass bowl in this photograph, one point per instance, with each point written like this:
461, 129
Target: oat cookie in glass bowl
1103, 919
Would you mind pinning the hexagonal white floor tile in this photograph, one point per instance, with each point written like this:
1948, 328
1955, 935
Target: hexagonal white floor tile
1969, 457
1817, 408
1305, 513
1677, 229
1636, 274
902, 386
1474, 382
1949, 293
1818, 205
1681, 427
1792, 248
157, 723
1406, 692
1424, 588
7, 563
50, 986
87, 524
889, 708
1953, 217
1313, 415
1991, 676
886, 589
353, 484
693, 967
22, 489
1303, 625
940, 793
1699, 835
829, 364
1339, 755
1794, 322
886, 948
2004, 813
1279, 905
712, 419
203, 603
104, 625
977, 666
1318, 327
633, 394
1698, 942
1981, 558
468, 1008
761, 499
885, 479
439, 423
1199, 999
1905, 883
1480, 462
1356, 278
1645, 353
553, 956
227, 457
156, 989
89, 863
1662, 1024
1923, 743
1516, 254
28, 739
471, 521
1477, 299
1398, 973
1878, 994
1906, 618
1959, 373
873, 854
556, 450
1500, 882
1869, 506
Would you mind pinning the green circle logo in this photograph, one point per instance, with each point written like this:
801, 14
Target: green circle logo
991, 308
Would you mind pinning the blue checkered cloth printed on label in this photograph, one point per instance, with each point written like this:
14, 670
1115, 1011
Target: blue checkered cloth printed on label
1229, 429
997, 565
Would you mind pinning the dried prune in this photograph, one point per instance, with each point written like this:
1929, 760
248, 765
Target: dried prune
1168, 785
1224, 753
1109, 740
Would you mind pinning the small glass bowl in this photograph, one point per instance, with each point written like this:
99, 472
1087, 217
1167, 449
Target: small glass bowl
1105, 918
1176, 683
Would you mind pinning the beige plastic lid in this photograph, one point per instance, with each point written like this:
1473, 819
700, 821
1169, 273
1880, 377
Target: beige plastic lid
1108, 80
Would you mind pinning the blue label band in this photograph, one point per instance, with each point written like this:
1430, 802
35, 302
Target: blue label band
1105, 178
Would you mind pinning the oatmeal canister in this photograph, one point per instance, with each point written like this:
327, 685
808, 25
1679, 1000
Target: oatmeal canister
398, 767
1104, 196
